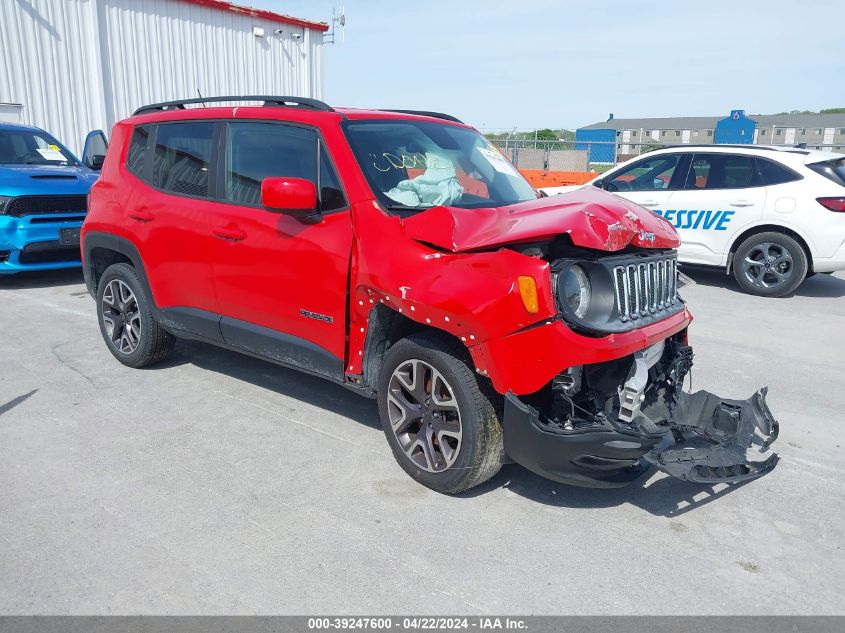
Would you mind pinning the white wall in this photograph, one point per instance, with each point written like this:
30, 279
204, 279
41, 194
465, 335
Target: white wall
47, 65
78, 65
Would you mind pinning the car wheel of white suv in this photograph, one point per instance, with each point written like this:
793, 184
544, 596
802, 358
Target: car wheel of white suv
770, 264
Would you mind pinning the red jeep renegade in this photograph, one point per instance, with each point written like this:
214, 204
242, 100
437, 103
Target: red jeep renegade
399, 254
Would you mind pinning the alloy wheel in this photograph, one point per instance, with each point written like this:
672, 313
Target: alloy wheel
767, 265
121, 316
424, 415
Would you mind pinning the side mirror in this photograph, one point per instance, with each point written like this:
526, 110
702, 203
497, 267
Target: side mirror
598, 183
94, 152
296, 197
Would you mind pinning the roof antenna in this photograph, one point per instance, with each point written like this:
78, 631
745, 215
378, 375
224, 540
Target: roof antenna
338, 21
200, 96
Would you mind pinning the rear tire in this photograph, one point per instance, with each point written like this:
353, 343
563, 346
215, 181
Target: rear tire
127, 322
770, 264
440, 419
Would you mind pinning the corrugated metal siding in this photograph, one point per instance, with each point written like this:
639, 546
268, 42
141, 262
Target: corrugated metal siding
78, 65
48, 66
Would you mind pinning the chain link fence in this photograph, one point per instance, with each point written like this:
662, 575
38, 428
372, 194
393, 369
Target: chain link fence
582, 156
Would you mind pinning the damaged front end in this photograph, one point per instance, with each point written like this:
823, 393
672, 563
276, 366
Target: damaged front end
603, 425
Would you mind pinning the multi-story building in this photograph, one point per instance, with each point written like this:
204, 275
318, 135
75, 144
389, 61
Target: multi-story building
610, 139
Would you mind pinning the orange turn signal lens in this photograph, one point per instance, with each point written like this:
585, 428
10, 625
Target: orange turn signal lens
528, 292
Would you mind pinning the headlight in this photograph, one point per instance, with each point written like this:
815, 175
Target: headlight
3, 201
575, 291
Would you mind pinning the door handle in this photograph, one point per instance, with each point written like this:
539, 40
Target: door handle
741, 203
650, 203
141, 215
232, 233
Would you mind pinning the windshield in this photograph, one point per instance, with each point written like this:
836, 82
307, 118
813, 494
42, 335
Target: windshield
414, 165
24, 147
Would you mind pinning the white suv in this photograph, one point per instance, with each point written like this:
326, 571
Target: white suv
771, 215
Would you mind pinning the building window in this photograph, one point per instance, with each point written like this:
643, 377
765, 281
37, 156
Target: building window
677, 132
779, 132
618, 133
762, 132
695, 133
709, 132
802, 131
842, 130
634, 133
818, 131
663, 133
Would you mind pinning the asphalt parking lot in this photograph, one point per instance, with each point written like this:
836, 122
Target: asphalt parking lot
217, 483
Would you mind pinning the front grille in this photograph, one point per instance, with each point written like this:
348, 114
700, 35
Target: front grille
645, 288
40, 205
48, 253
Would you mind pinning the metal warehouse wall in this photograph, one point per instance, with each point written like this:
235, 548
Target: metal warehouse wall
78, 65
49, 65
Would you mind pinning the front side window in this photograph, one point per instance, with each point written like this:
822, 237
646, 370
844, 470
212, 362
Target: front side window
182, 157
25, 147
722, 171
413, 165
258, 150
255, 151
646, 175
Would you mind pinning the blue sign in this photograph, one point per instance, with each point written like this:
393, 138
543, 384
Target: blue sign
703, 220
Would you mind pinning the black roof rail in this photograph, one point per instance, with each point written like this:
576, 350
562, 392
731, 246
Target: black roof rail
436, 115
269, 101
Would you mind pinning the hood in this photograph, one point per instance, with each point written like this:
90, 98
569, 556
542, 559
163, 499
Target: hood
591, 217
27, 180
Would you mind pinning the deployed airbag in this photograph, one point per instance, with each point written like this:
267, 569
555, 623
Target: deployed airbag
438, 185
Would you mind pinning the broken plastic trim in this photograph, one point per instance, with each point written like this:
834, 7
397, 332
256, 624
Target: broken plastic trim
705, 440
712, 438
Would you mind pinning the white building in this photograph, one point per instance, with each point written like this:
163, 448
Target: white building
72, 66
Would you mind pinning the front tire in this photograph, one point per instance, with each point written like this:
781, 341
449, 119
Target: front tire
440, 420
127, 322
770, 264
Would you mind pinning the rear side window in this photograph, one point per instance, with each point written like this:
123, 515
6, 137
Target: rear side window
774, 174
722, 171
137, 150
831, 169
647, 175
182, 158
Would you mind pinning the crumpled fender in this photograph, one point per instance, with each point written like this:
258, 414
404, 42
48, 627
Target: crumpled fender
591, 217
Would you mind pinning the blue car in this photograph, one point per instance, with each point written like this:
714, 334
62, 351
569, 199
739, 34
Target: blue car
43, 200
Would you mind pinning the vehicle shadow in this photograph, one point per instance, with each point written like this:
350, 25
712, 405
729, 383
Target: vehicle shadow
42, 279
654, 492
819, 285
287, 382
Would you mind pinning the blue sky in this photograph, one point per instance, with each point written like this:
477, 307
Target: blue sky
536, 63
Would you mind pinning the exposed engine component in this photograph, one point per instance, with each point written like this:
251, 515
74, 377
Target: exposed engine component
617, 417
